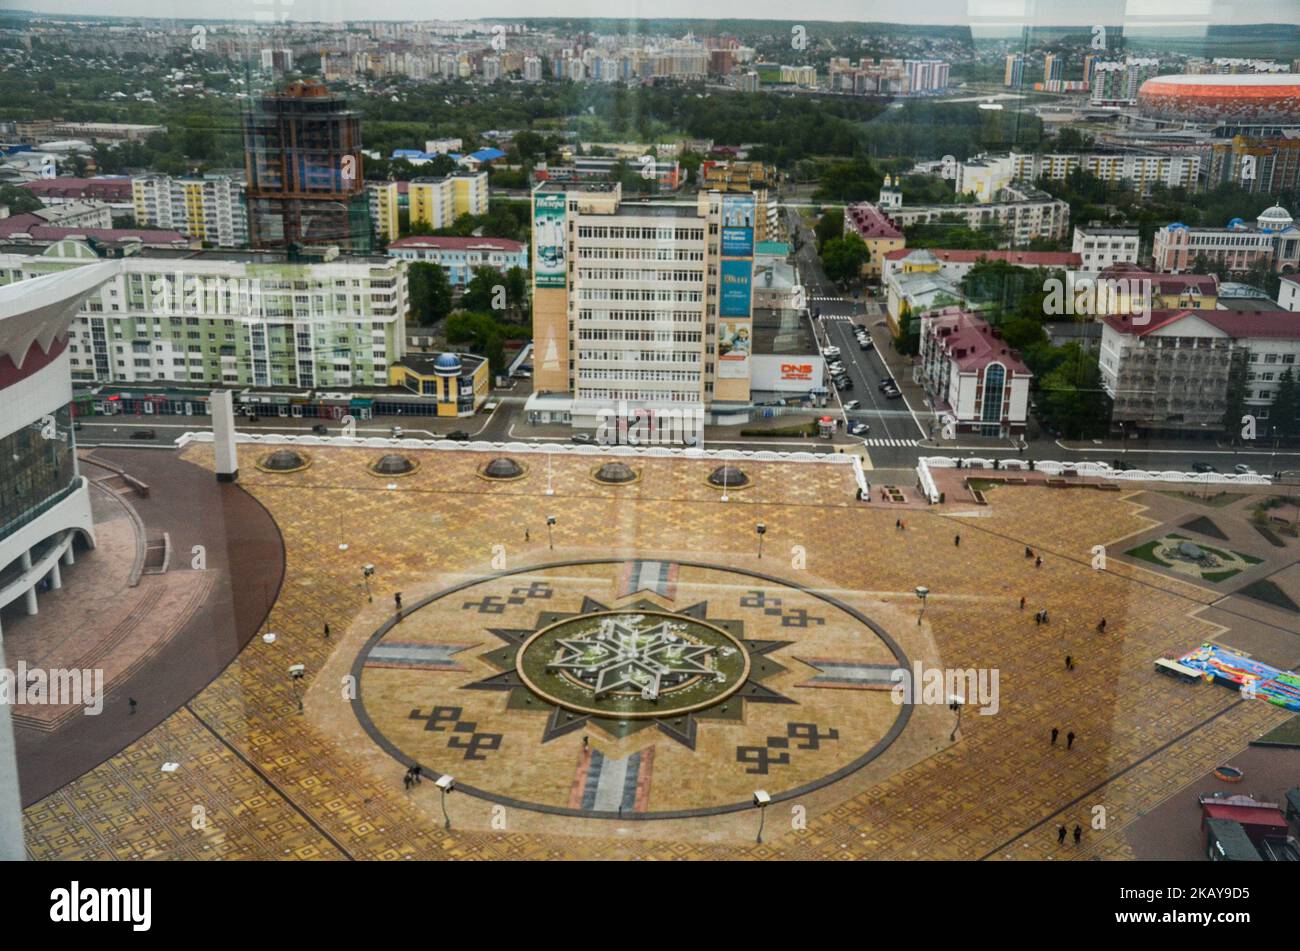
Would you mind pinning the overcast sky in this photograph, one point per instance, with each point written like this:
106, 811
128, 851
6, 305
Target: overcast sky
1040, 12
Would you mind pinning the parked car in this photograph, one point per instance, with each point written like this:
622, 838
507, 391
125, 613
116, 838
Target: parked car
144, 434
886, 384
844, 384
892, 394
852, 404
1203, 467
586, 439
320, 429
1242, 469
459, 435
859, 429
1121, 466
866, 345
831, 351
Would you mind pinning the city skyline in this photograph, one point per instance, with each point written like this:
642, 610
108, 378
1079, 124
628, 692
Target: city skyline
984, 15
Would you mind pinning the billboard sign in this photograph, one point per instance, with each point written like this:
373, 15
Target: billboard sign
736, 277
549, 263
737, 226
735, 344
778, 373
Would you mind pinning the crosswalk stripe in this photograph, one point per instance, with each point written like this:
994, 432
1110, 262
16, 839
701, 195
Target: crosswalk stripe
884, 441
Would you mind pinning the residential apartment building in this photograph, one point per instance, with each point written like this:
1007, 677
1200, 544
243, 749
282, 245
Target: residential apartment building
876, 230
976, 382
385, 202
1267, 166
228, 318
1014, 74
1025, 213
645, 303
1139, 170
1272, 241
1099, 247
438, 202
460, 256
303, 165
1117, 83
210, 208
1289, 294
1171, 373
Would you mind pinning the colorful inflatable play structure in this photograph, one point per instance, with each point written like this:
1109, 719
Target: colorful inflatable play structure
1228, 668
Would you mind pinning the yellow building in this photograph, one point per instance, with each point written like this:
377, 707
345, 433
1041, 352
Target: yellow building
383, 209
459, 383
438, 202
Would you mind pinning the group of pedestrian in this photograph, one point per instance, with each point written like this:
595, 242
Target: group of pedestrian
900, 525
412, 777
1061, 833
1070, 737
1040, 617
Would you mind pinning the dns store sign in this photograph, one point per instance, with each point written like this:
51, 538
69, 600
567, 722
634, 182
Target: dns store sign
796, 372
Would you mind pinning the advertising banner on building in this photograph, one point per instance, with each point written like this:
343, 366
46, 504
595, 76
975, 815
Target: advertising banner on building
737, 226
735, 344
548, 240
780, 373
736, 276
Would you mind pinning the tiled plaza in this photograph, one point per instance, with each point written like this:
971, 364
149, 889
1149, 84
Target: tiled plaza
479, 574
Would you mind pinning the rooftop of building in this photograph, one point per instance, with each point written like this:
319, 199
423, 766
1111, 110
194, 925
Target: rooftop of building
454, 243
783, 332
35, 228
1064, 259
429, 364
870, 222
69, 187
129, 243
971, 343
1238, 324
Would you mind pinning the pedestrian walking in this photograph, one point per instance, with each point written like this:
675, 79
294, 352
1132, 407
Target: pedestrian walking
327, 631
898, 523
406, 781
1069, 662
1045, 618
1055, 733
1038, 617
1101, 626
1069, 740
527, 537
1029, 552
415, 773
131, 704
397, 599
1060, 836
957, 541
1078, 833
586, 742
1022, 603
1038, 562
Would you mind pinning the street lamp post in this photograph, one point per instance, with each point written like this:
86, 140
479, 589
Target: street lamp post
955, 703
296, 673
550, 539
446, 784
761, 800
761, 529
921, 592
366, 571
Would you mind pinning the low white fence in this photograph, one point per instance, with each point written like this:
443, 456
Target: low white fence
565, 449
926, 481
1095, 469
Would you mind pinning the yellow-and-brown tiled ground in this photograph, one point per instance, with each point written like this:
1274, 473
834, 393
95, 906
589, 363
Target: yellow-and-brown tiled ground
258, 780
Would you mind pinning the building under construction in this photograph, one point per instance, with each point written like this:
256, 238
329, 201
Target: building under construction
302, 155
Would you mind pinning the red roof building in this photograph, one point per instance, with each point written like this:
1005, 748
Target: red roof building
977, 382
51, 190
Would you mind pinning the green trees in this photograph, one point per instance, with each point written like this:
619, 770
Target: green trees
843, 258
1073, 396
830, 225
1286, 406
429, 292
19, 200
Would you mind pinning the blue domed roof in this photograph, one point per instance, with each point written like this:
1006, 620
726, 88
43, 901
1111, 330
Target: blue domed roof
447, 363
